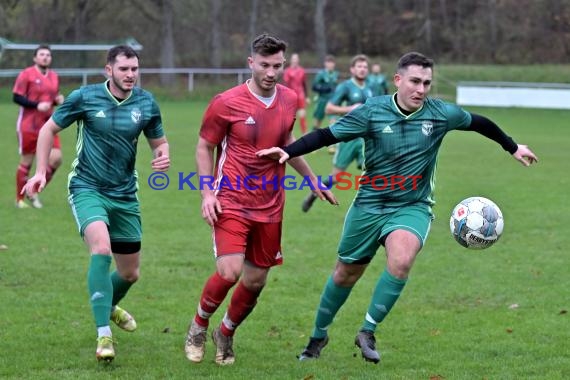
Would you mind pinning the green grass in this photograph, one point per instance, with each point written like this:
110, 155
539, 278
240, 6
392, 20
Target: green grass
453, 320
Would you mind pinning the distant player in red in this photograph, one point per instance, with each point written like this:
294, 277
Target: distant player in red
36, 91
245, 206
294, 77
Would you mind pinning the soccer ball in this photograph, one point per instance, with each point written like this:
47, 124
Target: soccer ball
476, 223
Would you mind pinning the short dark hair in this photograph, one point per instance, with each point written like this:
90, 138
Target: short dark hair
416, 59
329, 58
42, 47
358, 58
265, 45
125, 50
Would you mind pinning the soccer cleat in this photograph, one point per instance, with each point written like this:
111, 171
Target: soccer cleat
123, 319
366, 341
35, 200
313, 349
105, 350
308, 202
195, 345
224, 351
22, 204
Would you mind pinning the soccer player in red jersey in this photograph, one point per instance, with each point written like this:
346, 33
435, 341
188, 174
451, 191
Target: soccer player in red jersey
294, 77
36, 90
245, 205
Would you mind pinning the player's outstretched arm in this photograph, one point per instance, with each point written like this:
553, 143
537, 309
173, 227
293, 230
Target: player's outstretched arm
524, 155
43, 148
306, 144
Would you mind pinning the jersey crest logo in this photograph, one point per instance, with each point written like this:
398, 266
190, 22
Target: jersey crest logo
278, 255
387, 129
100, 114
427, 128
250, 121
136, 115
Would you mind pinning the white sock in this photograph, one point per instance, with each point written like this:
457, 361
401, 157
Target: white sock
104, 331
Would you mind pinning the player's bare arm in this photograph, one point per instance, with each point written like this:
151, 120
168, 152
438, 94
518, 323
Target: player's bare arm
205, 163
45, 143
161, 153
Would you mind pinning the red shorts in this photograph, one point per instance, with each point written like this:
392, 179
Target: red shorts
27, 141
259, 242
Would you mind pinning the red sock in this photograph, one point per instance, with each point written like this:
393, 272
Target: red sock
242, 303
21, 178
303, 122
215, 290
49, 173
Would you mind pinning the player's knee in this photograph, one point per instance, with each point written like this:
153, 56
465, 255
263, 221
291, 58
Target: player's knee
132, 275
229, 274
100, 248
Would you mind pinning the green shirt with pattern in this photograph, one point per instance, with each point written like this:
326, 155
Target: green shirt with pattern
108, 132
349, 92
325, 82
400, 150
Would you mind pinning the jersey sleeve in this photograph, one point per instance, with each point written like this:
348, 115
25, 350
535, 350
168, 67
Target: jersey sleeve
457, 117
215, 122
339, 94
70, 110
352, 125
21, 84
153, 129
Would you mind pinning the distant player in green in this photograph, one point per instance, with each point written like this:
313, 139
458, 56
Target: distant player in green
402, 134
103, 181
324, 85
348, 95
377, 81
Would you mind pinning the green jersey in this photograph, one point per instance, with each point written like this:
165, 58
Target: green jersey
378, 84
108, 132
350, 92
325, 82
400, 150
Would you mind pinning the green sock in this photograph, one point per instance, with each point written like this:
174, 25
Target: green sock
120, 287
388, 289
100, 288
332, 299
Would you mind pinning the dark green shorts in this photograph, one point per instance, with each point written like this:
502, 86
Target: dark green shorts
365, 231
122, 217
319, 113
349, 151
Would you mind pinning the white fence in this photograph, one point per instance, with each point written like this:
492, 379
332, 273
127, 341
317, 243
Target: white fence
514, 94
241, 74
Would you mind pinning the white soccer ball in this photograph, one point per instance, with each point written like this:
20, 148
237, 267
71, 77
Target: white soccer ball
476, 223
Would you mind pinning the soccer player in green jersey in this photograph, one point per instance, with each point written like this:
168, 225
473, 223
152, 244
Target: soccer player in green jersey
377, 81
348, 95
324, 85
103, 181
402, 135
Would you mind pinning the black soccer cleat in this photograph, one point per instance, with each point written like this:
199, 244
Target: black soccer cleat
308, 202
366, 341
313, 349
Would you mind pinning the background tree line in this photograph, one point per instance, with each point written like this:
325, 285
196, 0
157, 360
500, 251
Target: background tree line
216, 33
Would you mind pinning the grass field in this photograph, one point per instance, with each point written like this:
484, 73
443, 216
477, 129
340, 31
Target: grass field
455, 319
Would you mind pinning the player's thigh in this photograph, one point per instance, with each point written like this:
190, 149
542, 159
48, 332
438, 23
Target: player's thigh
319, 112
230, 235
124, 220
414, 218
360, 237
88, 207
264, 245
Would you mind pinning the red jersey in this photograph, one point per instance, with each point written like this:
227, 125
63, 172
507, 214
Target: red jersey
294, 78
240, 124
36, 87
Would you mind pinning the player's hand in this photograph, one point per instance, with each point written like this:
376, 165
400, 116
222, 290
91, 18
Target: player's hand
59, 99
161, 163
525, 156
34, 185
44, 106
274, 153
211, 207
